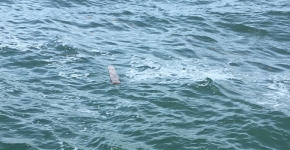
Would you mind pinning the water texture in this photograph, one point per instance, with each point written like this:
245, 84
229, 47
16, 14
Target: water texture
195, 74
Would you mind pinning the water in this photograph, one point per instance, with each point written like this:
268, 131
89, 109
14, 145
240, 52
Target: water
194, 75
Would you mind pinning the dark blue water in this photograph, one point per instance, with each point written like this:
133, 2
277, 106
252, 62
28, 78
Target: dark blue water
194, 75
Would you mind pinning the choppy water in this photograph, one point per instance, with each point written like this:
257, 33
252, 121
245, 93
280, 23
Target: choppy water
195, 75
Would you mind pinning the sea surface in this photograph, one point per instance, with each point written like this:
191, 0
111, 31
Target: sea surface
195, 75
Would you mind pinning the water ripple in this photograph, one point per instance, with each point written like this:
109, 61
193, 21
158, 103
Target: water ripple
194, 75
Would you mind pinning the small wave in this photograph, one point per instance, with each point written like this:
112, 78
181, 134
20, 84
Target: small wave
243, 28
12, 42
280, 50
265, 67
176, 71
278, 13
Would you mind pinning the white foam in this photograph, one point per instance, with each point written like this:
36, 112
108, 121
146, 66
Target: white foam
273, 89
16, 43
278, 93
173, 70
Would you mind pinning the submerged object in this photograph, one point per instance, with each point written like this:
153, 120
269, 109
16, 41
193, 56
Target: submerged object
113, 75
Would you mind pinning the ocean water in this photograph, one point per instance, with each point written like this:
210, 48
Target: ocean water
195, 75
